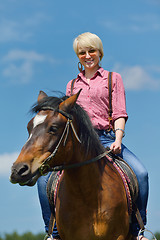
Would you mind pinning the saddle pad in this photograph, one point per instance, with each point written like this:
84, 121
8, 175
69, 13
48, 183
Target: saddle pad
129, 178
51, 187
127, 174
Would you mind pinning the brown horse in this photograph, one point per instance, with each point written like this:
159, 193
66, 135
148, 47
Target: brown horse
91, 200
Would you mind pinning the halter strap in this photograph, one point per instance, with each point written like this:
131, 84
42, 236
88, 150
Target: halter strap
45, 166
67, 115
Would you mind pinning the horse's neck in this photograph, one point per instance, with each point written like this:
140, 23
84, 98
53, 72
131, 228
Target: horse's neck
84, 180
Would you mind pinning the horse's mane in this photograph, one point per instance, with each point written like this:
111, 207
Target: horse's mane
86, 132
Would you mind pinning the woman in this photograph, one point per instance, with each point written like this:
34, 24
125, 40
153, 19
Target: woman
94, 99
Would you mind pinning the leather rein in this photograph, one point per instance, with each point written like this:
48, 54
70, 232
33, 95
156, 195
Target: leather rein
45, 167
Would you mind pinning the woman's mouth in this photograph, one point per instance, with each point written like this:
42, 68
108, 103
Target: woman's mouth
89, 61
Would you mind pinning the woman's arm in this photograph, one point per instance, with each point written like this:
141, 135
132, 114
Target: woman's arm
119, 126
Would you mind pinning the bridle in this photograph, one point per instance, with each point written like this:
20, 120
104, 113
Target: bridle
45, 167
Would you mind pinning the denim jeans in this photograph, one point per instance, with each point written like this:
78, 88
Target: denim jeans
142, 176
46, 210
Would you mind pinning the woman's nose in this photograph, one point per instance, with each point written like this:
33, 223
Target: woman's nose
87, 54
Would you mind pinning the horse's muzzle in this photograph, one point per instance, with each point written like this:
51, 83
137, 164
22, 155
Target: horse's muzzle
21, 174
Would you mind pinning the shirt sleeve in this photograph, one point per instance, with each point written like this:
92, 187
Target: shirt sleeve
118, 98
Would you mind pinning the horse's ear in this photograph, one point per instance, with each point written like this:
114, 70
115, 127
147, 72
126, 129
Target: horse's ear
69, 102
41, 96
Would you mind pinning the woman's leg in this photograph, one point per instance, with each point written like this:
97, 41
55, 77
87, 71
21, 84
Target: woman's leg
44, 202
142, 176
42, 193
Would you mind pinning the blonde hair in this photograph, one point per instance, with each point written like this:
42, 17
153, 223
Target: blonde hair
88, 39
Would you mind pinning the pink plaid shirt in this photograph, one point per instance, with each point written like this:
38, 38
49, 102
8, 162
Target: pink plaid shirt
94, 97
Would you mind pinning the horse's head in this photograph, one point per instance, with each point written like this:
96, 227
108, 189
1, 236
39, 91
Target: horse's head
48, 134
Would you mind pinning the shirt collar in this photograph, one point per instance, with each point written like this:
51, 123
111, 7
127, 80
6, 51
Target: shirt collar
100, 72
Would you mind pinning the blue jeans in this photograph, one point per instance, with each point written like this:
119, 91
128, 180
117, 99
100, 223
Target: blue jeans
46, 210
142, 176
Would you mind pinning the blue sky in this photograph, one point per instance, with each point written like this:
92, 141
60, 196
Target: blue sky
36, 54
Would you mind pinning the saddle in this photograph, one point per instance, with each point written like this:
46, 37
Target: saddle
127, 174
129, 179
52, 185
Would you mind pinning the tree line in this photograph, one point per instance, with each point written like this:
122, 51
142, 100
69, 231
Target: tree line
39, 236
25, 236
157, 235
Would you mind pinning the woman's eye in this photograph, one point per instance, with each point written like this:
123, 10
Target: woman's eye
82, 53
92, 51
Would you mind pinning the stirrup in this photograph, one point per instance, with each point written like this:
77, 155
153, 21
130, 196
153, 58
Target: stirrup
141, 231
48, 237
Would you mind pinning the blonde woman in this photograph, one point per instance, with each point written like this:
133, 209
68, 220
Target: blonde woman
93, 80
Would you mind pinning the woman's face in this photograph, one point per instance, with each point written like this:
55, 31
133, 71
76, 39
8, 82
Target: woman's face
89, 57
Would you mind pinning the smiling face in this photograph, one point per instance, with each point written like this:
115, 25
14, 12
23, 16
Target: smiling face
89, 57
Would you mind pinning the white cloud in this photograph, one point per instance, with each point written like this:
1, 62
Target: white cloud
134, 23
13, 29
21, 74
36, 19
6, 161
155, 69
17, 54
145, 23
19, 65
137, 78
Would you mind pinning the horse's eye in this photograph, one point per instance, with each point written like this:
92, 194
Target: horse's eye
53, 129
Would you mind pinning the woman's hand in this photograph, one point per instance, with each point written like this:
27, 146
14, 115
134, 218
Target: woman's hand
116, 147
119, 126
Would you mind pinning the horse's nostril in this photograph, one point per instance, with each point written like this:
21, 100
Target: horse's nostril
23, 170
20, 172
